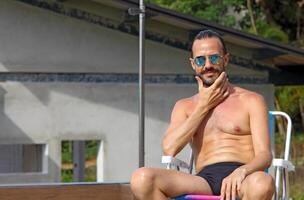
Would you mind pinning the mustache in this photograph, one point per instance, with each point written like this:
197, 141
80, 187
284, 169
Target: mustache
211, 69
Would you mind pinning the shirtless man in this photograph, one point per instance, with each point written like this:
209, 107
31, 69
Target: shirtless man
227, 127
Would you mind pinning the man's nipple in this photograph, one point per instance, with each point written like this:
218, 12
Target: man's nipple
237, 129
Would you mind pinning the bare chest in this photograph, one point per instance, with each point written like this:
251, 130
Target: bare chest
228, 118
232, 119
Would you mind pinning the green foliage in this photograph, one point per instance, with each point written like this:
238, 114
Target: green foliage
90, 175
297, 192
270, 31
284, 13
275, 33
91, 149
289, 97
274, 19
296, 138
66, 150
212, 10
66, 175
264, 29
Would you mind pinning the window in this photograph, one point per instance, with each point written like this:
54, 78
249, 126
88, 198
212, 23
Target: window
82, 160
23, 158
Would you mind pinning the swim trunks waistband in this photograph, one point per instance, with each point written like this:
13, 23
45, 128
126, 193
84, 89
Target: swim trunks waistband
215, 173
223, 164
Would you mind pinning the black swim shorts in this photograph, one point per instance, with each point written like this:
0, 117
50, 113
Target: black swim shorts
215, 173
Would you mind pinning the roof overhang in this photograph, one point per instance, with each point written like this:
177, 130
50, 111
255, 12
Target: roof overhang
287, 62
284, 63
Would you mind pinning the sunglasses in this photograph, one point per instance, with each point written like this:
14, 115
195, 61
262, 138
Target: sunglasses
214, 59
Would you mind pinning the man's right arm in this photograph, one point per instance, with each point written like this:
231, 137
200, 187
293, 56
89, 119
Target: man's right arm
183, 127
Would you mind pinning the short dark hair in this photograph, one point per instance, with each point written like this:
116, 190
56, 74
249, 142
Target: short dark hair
209, 34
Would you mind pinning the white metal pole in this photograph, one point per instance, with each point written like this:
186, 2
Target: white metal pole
141, 76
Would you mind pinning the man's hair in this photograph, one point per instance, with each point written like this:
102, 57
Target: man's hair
209, 34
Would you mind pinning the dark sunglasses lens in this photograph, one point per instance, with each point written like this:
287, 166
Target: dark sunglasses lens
214, 59
200, 61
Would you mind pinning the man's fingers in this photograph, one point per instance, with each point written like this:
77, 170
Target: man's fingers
223, 190
224, 86
233, 190
219, 80
228, 191
239, 182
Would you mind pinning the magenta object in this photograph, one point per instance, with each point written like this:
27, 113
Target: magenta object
202, 197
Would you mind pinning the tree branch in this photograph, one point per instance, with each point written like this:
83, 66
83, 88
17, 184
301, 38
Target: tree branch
251, 16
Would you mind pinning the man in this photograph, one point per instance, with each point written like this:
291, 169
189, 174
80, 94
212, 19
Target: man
227, 127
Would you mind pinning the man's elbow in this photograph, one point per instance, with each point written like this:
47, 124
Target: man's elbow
269, 159
168, 149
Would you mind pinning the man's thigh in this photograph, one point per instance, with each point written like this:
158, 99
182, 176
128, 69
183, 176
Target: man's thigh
174, 183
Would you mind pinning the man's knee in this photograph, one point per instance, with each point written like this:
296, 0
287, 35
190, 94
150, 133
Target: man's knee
264, 184
142, 180
260, 186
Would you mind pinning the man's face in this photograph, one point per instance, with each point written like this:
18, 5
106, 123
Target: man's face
208, 49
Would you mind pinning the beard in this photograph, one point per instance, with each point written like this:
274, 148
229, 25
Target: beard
208, 81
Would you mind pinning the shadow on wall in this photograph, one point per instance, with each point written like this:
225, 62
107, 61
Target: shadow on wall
14, 166
160, 99
102, 111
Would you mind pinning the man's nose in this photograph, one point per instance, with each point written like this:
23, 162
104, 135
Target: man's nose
208, 64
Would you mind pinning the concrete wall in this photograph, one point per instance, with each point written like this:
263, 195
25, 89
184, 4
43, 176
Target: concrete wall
47, 112
33, 39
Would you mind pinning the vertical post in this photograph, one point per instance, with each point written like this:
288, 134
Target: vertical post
141, 76
78, 160
141, 84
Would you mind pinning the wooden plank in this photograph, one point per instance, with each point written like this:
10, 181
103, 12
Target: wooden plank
67, 192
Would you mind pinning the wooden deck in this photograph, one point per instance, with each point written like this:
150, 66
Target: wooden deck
86, 191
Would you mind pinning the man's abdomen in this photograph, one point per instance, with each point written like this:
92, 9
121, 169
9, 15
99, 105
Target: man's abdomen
224, 148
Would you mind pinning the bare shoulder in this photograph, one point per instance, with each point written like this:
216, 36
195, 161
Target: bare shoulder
250, 98
180, 111
185, 104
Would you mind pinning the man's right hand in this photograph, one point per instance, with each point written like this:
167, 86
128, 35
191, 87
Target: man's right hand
211, 96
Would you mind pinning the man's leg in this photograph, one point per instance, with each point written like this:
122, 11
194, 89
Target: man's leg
160, 184
258, 185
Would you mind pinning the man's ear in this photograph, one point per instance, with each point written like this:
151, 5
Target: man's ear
226, 59
192, 63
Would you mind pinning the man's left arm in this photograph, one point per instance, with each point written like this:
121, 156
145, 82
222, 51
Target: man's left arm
259, 126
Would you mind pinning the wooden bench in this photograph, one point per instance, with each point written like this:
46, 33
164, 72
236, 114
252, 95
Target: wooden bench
73, 191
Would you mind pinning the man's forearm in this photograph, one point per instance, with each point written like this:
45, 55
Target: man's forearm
206, 99
260, 162
175, 140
